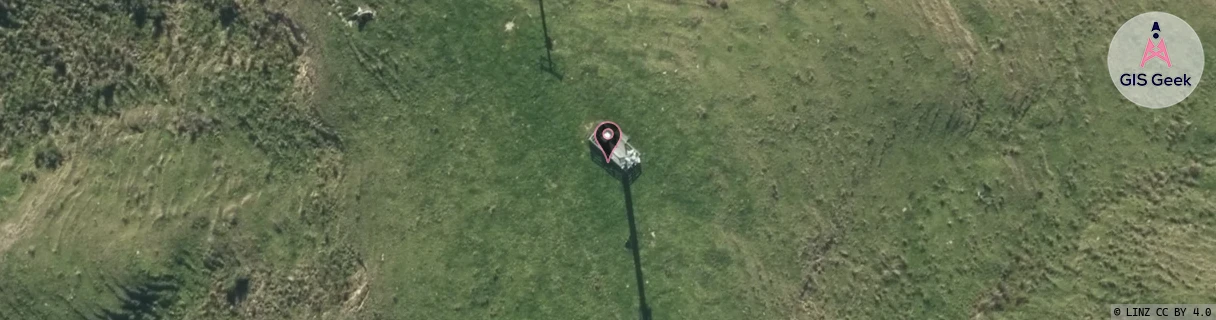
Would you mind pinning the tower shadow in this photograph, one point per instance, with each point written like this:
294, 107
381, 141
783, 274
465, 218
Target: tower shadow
627, 177
546, 65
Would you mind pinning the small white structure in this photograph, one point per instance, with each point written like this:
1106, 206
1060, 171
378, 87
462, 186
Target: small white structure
362, 13
625, 155
361, 16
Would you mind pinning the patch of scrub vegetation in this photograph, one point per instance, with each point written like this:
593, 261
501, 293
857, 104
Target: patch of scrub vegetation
10, 181
153, 152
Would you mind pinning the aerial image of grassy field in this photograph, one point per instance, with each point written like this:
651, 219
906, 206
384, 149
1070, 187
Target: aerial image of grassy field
428, 159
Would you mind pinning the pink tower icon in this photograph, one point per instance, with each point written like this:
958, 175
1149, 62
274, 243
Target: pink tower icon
1156, 51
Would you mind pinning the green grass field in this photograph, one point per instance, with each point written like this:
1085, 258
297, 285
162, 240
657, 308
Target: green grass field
927, 159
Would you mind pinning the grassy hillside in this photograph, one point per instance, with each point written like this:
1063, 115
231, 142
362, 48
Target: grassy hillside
803, 160
162, 160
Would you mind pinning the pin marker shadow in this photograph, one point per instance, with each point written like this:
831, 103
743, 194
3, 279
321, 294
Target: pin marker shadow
627, 177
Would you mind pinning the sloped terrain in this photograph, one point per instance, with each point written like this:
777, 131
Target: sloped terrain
804, 160
162, 161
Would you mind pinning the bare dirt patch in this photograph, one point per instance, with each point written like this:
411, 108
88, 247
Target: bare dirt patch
305, 82
357, 295
38, 202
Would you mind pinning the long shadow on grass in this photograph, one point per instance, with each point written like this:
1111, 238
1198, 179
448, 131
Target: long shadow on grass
547, 66
627, 177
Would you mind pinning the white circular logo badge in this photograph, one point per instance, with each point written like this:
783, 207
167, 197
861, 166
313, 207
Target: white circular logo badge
1155, 60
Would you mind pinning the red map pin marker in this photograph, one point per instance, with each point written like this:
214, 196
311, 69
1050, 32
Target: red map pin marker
607, 136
